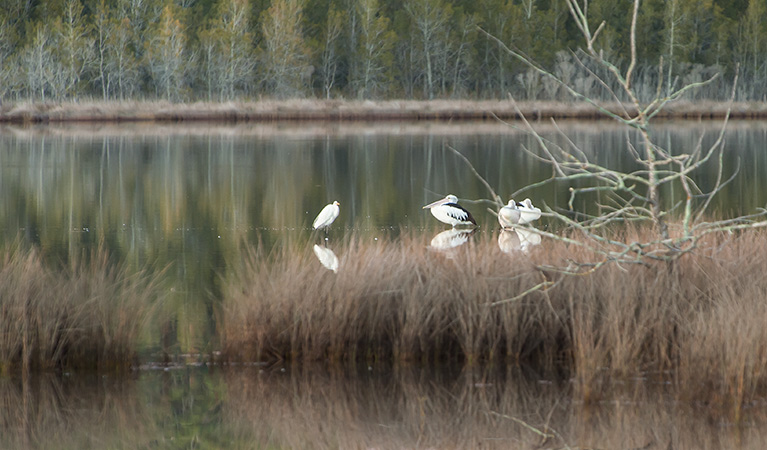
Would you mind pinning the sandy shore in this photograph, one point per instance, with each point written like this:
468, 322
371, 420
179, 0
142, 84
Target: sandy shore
342, 110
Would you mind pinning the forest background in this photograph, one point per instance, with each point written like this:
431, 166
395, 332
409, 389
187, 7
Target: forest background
224, 50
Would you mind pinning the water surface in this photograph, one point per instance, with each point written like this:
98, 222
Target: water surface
190, 198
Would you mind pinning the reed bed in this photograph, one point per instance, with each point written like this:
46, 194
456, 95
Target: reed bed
697, 322
88, 315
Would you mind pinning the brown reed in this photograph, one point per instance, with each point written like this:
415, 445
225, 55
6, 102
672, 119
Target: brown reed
86, 316
698, 321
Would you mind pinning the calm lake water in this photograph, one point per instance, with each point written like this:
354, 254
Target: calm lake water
187, 197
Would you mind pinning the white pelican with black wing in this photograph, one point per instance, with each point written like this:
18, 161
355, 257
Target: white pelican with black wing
448, 211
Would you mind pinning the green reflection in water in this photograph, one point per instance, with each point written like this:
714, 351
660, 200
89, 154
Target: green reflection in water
186, 197
180, 408
311, 407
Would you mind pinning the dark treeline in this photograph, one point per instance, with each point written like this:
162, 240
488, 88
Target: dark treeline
218, 50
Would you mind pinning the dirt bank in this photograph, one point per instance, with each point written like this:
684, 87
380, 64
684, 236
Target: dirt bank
340, 110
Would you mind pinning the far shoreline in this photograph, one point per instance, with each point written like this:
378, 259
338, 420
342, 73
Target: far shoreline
348, 110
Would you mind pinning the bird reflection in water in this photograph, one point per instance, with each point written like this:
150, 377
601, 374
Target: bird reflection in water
451, 238
517, 239
327, 257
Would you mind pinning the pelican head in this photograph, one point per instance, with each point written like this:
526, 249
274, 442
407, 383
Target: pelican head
450, 198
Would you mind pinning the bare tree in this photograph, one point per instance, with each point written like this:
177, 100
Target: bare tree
229, 56
75, 51
632, 196
330, 58
166, 55
373, 57
285, 57
38, 62
430, 19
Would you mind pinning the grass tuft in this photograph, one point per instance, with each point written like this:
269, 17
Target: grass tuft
88, 316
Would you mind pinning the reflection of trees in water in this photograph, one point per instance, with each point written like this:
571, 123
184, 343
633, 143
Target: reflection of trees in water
175, 409
507, 407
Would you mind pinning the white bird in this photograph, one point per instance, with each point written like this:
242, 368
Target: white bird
509, 215
447, 211
328, 214
528, 212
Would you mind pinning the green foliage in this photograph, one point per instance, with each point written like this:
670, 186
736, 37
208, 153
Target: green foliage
284, 54
190, 50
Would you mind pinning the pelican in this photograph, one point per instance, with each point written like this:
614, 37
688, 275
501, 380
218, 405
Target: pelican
528, 212
447, 211
509, 215
328, 214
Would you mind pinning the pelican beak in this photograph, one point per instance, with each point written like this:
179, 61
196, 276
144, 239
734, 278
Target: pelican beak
437, 203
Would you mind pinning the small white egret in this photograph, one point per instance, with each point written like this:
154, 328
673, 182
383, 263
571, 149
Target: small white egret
509, 215
328, 214
447, 211
528, 212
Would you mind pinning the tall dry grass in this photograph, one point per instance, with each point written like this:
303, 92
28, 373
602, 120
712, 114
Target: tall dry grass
698, 322
86, 316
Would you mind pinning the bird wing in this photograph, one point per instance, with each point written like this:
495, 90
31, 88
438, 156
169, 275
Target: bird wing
458, 213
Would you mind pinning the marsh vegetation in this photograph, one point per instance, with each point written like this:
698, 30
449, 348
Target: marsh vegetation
696, 323
87, 316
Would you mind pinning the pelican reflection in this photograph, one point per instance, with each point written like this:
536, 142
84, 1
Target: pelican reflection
327, 257
517, 239
451, 238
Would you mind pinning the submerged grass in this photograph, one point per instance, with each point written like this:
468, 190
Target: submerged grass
86, 316
698, 322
